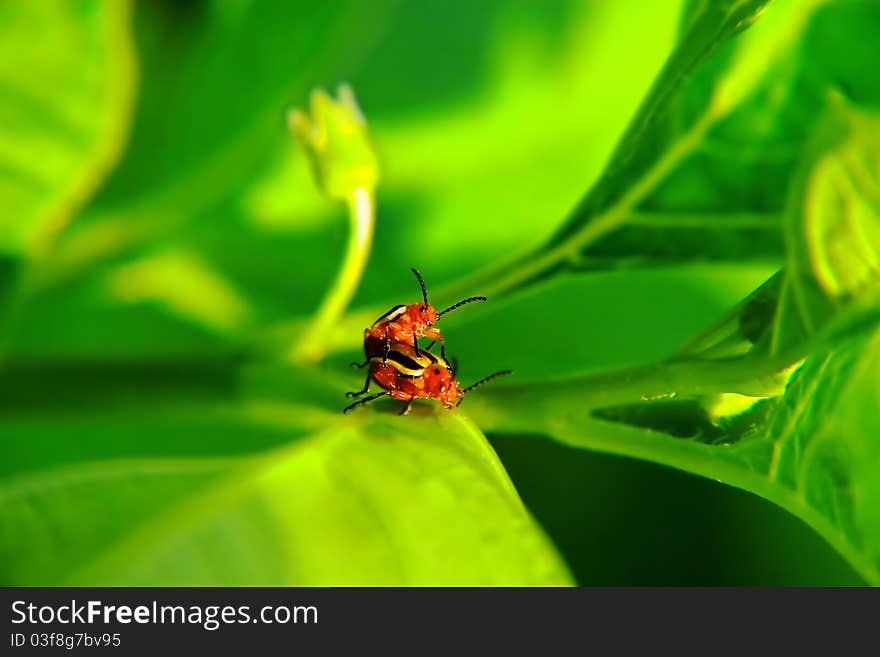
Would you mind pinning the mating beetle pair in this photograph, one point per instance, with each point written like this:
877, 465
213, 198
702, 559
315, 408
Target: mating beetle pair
404, 370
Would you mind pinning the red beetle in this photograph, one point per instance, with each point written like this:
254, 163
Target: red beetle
407, 375
406, 324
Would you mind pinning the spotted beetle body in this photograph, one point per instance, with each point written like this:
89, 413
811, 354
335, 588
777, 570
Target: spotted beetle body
407, 375
400, 367
406, 324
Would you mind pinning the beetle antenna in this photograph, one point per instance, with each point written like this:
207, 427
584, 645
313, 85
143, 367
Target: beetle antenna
421, 284
485, 379
461, 303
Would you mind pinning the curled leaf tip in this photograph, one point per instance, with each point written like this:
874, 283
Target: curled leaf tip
335, 135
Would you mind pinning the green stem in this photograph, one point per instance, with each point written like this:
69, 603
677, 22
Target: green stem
312, 343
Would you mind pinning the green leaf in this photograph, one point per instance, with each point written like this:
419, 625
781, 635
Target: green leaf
733, 405
133, 449
259, 489
834, 219
814, 451
65, 104
832, 227
703, 171
825, 438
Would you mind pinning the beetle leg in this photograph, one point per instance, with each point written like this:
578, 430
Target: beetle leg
365, 388
430, 346
359, 365
405, 409
363, 401
416, 345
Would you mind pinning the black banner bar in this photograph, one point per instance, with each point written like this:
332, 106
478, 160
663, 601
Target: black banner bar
126, 621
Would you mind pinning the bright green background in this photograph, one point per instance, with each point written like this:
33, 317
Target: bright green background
158, 221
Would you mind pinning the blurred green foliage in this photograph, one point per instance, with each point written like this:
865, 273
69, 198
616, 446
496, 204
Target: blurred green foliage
668, 204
